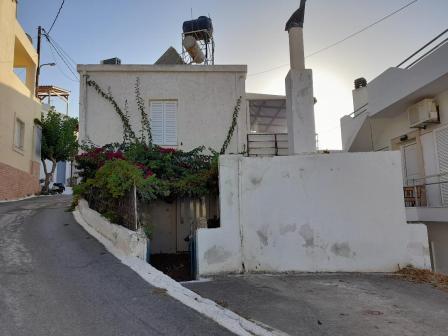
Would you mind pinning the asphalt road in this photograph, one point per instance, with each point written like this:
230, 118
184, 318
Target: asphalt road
55, 279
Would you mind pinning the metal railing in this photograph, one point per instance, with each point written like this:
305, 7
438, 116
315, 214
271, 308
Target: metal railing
263, 144
361, 110
430, 191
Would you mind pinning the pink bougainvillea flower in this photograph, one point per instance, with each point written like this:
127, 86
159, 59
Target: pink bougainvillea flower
148, 174
167, 150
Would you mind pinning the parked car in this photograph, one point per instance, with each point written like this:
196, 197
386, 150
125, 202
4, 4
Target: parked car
57, 188
53, 188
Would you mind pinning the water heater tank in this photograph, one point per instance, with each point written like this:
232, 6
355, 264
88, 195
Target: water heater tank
201, 28
193, 49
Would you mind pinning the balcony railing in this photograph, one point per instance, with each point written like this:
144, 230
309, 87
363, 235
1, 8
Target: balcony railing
430, 191
259, 144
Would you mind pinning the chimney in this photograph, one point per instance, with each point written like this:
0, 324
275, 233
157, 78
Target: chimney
360, 94
299, 90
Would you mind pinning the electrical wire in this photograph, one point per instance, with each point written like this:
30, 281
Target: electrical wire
62, 50
57, 16
60, 69
62, 57
342, 40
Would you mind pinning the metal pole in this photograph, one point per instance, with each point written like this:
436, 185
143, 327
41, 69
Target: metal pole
135, 208
39, 41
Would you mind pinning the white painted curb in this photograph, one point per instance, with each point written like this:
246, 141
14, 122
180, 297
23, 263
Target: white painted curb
224, 317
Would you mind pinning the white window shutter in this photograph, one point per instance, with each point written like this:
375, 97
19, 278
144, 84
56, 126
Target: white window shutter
164, 122
442, 153
170, 123
156, 114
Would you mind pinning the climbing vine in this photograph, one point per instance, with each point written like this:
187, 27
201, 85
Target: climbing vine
129, 134
236, 112
146, 125
109, 172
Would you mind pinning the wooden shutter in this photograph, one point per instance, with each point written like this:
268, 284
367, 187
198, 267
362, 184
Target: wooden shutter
164, 122
156, 114
442, 153
170, 123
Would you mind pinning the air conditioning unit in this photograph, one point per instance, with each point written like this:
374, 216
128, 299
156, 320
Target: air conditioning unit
114, 61
423, 113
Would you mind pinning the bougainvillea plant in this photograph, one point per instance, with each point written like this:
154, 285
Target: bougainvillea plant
157, 173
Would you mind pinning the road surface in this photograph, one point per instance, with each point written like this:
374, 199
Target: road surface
333, 304
55, 279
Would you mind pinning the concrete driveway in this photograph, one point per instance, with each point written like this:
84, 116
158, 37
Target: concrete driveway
333, 304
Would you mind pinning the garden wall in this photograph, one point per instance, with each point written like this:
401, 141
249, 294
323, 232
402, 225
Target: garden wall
130, 243
313, 213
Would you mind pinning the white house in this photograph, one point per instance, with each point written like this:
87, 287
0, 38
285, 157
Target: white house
190, 106
406, 109
304, 211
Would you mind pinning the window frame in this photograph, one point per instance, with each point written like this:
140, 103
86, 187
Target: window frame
21, 145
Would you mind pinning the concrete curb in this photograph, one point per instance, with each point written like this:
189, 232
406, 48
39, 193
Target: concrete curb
224, 317
20, 199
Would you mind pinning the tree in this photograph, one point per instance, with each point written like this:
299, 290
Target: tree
59, 141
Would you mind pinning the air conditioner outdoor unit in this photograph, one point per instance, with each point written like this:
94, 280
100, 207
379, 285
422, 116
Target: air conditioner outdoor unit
423, 113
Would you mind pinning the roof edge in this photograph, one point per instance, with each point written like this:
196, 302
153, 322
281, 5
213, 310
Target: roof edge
160, 68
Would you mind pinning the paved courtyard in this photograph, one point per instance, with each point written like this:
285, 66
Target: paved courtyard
333, 304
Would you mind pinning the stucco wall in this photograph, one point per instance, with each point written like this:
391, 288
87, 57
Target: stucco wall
129, 242
438, 236
206, 98
16, 101
338, 212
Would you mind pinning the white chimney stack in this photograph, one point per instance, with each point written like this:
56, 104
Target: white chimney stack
299, 90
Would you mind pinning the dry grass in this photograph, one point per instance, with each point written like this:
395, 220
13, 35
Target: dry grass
425, 277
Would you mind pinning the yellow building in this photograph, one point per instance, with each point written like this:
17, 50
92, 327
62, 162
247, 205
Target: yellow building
19, 136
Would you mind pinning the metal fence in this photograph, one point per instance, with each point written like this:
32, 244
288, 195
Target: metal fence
267, 144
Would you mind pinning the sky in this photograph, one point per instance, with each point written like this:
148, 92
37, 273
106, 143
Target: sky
246, 32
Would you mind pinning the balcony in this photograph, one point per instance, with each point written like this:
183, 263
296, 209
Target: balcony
426, 199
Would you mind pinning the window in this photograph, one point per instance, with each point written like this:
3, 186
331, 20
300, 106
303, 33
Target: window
163, 122
19, 134
37, 142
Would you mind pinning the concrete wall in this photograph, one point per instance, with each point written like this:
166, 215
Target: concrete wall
338, 212
206, 98
130, 243
438, 238
17, 101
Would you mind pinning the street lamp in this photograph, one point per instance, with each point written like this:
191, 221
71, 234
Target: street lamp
46, 64
38, 73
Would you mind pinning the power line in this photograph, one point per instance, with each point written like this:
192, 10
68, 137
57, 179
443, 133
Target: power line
364, 29
344, 39
60, 69
62, 57
55, 43
56, 18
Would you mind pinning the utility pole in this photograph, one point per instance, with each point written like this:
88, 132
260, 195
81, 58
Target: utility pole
39, 40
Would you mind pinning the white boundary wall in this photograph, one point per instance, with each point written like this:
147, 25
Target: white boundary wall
129, 242
312, 213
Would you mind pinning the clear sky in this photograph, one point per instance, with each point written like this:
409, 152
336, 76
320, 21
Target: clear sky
246, 32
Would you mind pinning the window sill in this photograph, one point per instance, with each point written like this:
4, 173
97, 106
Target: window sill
19, 150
